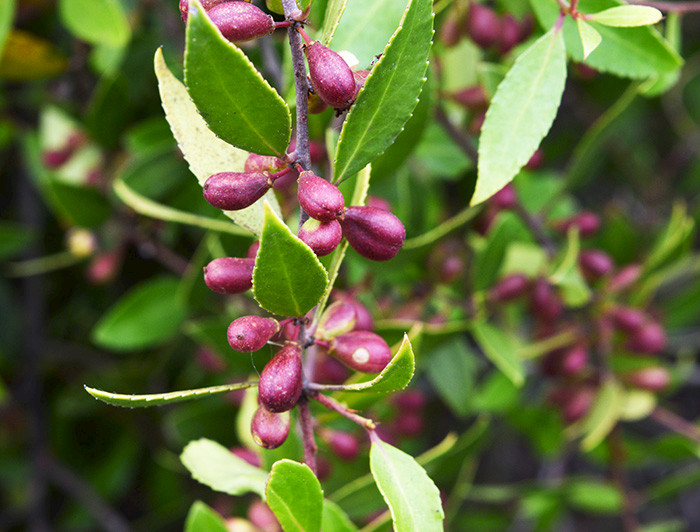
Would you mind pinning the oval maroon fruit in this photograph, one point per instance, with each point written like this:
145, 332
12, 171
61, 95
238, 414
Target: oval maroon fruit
206, 4
269, 430
374, 233
509, 288
362, 351
281, 380
321, 237
320, 199
648, 338
331, 77
345, 446
654, 379
240, 21
595, 263
544, 300
483, 25
229, 275
233, 191
250, 333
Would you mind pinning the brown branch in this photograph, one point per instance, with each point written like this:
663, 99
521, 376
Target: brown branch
676, 423
306, 423
343, 410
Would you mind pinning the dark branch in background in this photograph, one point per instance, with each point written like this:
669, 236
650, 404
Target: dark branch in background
669, 7
271, 60
676, 423
31, 387
462, 140
618, 460
151, 248
534, 223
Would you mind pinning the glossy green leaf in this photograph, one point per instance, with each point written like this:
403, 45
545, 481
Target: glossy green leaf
217, 467
413, 498
96, 21
393, 378
366, 26
234, 99
452, 370
603, 415
627, 16
160, 399
335, 519
501, 349
590, 38
390, 93
294, 495
521, 113
147, 315
334, 12
201, 518
7, 15
636, 53
593, 496
206, 153
288, 278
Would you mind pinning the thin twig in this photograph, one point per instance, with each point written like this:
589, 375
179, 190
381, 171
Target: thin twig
307, 431
462, 140
344, 411
676, 423
668, 7
535, 225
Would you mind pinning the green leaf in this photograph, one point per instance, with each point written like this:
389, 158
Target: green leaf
603, 416
217, 467
13, 238
234, 99
636, 53
206, 153
521, 113
366, 26
393, 378
7, 16
160, 399
96, 21
592, 496
673, 240
147, 315
590, 38
390, 93
452, 370
413, 498
288, 278
201, 518
152, 209
334, 11
567, 275
335, 519
276, 5
501, 349
627, 16
294, 494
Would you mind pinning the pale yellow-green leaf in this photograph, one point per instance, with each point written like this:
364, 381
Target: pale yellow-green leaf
590, 38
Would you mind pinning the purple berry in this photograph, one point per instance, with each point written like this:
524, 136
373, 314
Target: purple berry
587, 223
409, 425
320, 199
573, 360
628, 319
378, 203
625, 278
374, 233
269, 430
410, 401
331, 77
263, 163
649, 338
253, 250
280, 383
472, 97
364, 318
483, 25
232, 191
595, 263
544, 301
654, 379
321, 237
250, 333
206, 4
509, 288
229, 275
345, 446
240, 21
339, 318
505, 198
510, 34
330, 371
362, 351
249, 456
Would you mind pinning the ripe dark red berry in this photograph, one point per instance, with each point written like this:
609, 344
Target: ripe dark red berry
378, 203
483, 25
329, 371
362, 351
264, 520
410, 401
595, 264
625, 278
280, 383
505, 198
573, 360
374, 233
510, 34
339, 318
409, 425
241, 21
253, 249
269, 430
345, 446
320, 199
628, 319
331, 77
263, 163
654, 379
321, 237
648, 338
232, 191
509, 288
250, 333
206, 4
544, 301
229, 275
249, 456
